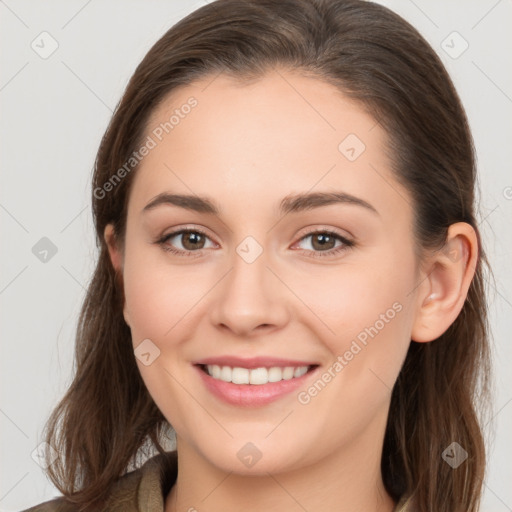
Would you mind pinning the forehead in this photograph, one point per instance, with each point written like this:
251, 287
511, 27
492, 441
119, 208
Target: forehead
300, 108
283, 133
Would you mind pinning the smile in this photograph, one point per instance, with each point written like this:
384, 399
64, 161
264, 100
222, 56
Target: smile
253, 387
255, 376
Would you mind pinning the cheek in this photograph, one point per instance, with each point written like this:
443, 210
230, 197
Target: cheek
352, 298
368, 316
157, 302
371, 317
158, 295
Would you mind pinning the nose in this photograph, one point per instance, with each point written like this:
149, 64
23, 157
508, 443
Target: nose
250, 299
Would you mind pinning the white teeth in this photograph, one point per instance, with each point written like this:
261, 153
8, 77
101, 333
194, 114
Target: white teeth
225, 374
288, 373
255, 376
275, 374
258, 376
299, 372
240, 376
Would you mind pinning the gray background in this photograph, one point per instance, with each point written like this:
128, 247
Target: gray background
54, 112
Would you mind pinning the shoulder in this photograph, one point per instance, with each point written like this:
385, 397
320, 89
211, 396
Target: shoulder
123, 491
140, 489
56, 505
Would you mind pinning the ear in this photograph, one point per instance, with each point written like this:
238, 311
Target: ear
445, 283
116, 258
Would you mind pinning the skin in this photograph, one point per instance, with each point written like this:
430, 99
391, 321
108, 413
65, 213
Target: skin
247, 147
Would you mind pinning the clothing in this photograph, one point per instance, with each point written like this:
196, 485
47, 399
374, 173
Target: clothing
145, 489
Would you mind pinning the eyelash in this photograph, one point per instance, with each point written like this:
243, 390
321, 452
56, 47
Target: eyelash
347, 244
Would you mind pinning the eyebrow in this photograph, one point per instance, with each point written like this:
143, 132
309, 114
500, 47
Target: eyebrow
289, 204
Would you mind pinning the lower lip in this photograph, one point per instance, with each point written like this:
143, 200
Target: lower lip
252, 395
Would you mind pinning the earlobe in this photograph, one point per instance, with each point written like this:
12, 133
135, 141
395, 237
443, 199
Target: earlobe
116, 258
444, 288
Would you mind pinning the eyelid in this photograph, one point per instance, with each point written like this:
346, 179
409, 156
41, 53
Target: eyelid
319, 228
187, 228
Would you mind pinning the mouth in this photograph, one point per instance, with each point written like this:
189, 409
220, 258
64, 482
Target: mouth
255, 376
253, 387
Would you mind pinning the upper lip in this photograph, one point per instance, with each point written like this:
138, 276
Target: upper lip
252, 362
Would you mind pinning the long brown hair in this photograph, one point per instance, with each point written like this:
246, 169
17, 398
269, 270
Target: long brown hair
107, 422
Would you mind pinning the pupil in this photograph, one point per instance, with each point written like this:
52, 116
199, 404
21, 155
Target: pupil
322, 240
191, 240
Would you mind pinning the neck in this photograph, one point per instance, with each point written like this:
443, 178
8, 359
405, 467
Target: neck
348, 480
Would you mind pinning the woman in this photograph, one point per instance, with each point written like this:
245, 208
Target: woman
290, 278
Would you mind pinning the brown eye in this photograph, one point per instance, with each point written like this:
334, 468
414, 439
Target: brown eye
325, 243
322, 241
192, 240
185, 241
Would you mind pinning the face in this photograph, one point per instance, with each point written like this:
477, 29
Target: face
264, 280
